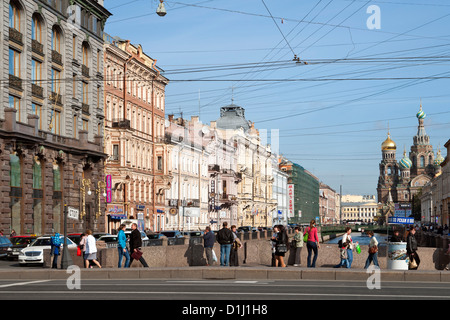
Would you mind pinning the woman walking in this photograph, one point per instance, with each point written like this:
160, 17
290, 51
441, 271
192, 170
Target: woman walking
347, 237
411, 250
122, 247
312, 244
281, 246
298, 243
373, 251
91, 250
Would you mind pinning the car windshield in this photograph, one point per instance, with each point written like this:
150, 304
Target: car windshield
4, 240
46, 242
19, 241
169, 234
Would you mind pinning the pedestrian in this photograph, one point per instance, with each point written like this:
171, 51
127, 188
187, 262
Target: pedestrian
82, 246
373, 251
135, 246
122, 247
236, 245
225, 239
91, 250
273, 242
297, 244
347, 237
312, 244
55, 249
396, 237
411, 250
281, 246
342, 254
13, 233
208, 244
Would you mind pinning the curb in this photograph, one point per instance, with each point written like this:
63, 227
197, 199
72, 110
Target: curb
231, 273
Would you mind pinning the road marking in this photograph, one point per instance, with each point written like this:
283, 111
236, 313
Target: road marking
22, 283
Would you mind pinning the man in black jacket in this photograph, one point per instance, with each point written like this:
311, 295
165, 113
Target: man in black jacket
136, 244
411, 248
225, 239
208, 243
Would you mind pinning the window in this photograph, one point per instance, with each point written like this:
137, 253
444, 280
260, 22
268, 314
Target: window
14, 102
74, 86
37, 196
14, 16
16, 190
36, 72
160, 164
36, 29
74, 47
14, 62
37, 110
85, 54
85, 92
422, 161
56, 81
115, 152
75, 125
86, 124
56, 122
56, 40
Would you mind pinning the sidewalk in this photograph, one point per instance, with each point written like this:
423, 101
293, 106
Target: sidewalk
228, 273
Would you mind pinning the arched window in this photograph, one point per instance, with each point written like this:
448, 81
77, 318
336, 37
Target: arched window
85, 50
16, 191
37, 196
15, 15
36, 28
422, 161
56, 39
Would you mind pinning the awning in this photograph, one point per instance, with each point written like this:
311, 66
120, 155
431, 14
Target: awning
117, 216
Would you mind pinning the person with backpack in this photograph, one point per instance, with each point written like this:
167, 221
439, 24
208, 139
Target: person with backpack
343, 254
225, 239
55, 250
281, 246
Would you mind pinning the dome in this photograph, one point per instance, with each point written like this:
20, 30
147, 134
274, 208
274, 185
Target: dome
405, 163
439, 158
232, 117
421, 114
388, 144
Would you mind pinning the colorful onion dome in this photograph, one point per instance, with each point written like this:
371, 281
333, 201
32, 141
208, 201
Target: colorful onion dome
439, 158
405, 162
421, 114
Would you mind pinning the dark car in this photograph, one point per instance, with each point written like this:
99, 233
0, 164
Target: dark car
75, 237
5, 244
18, 243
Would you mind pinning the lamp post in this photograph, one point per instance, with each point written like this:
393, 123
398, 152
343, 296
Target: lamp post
101, 185
66, 259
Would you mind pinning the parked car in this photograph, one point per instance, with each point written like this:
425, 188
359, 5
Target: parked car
143, 235
97, 235
108, 238
153, 236
34, 253
193, 233
18, 243
5, 244
172, 233
75, 237
244, 228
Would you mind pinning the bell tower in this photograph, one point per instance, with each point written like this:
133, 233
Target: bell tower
389, 171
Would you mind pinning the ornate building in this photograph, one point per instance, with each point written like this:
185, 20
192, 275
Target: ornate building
134, 135
404, 179
51, 129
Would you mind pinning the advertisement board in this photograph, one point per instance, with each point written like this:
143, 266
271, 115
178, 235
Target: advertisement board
290, 197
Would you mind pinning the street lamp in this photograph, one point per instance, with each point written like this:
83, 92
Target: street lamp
100, 186
161, 11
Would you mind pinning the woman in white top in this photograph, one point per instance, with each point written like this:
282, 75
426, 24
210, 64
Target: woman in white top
348, 238
91, 250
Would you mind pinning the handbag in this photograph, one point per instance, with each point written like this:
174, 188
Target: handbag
412, 263
281, 248
373, 250
306, 236
136, 255
214, 257
79, 251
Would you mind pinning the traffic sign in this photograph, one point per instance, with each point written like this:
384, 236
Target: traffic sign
73, 213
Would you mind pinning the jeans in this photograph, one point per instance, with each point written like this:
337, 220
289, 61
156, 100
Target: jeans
372, 257
209, 256
121, 255
343, 263
311, 246
225, 254
349, 258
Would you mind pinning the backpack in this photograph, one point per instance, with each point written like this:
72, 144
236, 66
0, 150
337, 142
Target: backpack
340, 243
225, 236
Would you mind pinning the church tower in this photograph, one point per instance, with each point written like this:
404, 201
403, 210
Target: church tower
388, 179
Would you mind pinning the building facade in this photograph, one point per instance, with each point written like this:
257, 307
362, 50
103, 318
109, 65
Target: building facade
134, 135
357, 208
435, 196
51, 130
328, 204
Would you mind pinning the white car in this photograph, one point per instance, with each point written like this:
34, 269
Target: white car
34, 253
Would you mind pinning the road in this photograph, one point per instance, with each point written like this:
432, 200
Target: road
112, 289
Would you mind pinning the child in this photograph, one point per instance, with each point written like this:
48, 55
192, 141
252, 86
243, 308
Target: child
343, 254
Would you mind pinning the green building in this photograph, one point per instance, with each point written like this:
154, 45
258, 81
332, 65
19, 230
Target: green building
305, 194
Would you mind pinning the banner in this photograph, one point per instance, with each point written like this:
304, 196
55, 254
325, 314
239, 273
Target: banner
290, 200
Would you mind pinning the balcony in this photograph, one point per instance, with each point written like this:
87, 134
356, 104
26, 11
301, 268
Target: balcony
121, 123
57, 57
37, 91
15, 36
15, 82
84, 71
213, 168
37, 47
56, 98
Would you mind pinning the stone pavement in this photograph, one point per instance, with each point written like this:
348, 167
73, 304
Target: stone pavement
227, 273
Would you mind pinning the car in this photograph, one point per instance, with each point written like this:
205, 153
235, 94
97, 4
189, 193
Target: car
5, 244
18, 243
153, 236
108, 238
75, 237
172, 233
34, 253
193, 233
245, 229
143, 235
97, 235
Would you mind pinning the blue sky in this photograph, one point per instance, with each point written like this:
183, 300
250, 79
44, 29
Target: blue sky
330, 126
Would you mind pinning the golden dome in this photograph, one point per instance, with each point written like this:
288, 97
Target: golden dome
388, 144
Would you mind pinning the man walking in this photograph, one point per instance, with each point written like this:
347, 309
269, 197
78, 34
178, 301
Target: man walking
135, 245
225, 239
208, 243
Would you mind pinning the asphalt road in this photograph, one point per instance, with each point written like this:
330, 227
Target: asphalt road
198, 290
